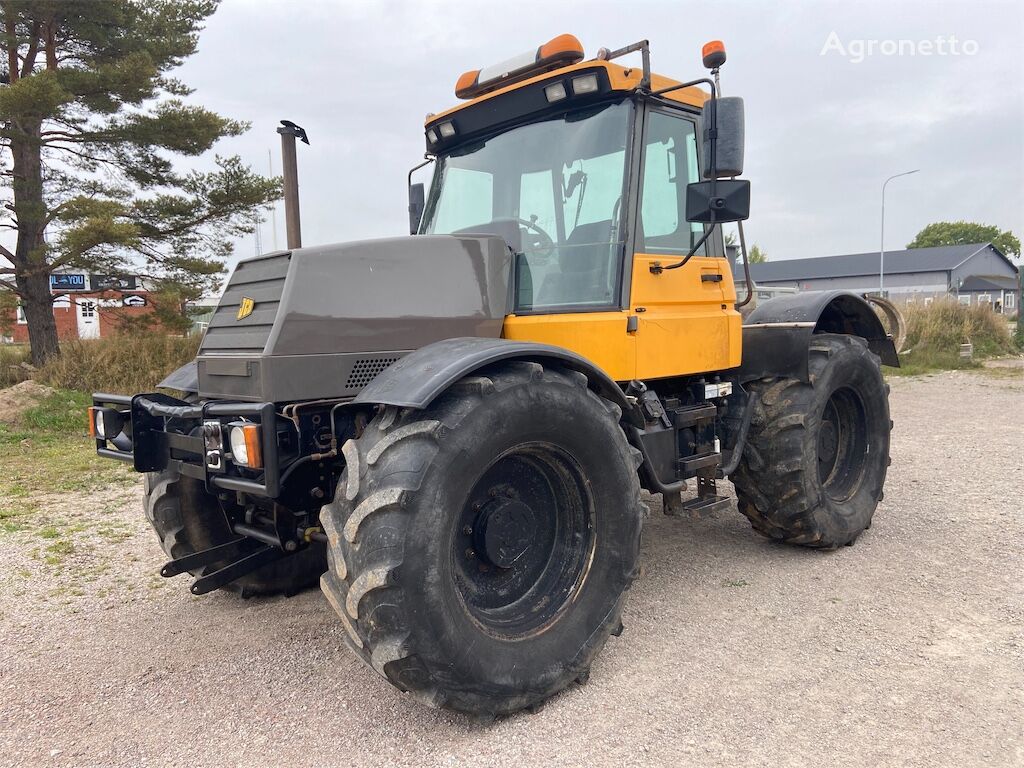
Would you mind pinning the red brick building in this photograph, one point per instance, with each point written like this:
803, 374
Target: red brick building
87, 306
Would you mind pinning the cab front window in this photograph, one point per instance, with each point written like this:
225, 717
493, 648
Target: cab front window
554, 190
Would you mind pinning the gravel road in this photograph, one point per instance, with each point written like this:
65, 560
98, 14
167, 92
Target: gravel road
906, 649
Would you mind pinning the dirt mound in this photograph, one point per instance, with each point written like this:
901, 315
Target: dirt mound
14, 400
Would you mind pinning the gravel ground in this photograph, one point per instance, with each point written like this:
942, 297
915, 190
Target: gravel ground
906, 649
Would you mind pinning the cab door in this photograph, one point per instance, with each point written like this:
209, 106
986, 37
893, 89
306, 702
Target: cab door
685, 318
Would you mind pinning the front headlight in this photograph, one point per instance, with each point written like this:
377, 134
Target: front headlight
105, 423
245, 445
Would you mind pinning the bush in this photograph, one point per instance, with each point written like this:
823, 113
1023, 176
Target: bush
121, 364
936, 331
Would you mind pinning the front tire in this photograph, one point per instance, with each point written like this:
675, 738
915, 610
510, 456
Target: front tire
816, 456
480, 549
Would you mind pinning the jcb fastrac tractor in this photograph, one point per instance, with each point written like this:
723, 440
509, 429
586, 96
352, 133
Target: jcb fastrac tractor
450, 431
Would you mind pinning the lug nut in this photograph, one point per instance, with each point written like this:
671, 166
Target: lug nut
468, 530
470, 554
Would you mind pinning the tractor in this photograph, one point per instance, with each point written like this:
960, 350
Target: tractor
451, 430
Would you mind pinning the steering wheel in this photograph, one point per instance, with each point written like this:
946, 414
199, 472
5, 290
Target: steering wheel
541, 246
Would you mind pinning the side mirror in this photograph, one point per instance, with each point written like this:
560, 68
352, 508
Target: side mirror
416, 206
730, 202
728, 112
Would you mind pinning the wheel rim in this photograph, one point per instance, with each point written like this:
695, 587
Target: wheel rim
842, 444
525, 541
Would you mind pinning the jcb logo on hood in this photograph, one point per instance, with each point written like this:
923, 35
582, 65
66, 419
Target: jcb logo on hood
245, 308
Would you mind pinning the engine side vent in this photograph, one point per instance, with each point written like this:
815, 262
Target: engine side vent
366, 370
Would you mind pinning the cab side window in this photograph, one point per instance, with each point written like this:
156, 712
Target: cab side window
670, 163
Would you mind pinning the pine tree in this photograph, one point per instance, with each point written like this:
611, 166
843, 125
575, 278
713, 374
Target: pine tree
90, 123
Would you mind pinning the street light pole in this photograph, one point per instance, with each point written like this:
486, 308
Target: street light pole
881, 249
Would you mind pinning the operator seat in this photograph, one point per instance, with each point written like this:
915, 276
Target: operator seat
584, 260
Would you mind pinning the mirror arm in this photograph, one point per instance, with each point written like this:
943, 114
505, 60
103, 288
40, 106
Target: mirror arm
428, 159
657, 268
700, 81
746, 267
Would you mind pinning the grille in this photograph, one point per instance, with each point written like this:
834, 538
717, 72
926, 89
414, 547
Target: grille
366, 370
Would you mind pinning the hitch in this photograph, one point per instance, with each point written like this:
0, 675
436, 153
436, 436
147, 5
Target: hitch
201, 558
244, 560
262, 556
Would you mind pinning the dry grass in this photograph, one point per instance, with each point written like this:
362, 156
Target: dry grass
123, 364
11, 358
936, 331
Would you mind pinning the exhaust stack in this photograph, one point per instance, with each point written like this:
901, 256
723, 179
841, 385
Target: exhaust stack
289, 132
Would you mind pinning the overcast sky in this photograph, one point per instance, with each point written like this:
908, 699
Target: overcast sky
823, 129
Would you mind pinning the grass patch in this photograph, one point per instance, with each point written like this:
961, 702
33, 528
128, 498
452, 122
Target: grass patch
1000, 372
936, 331
49, 453
56, 552
114, 532
735, 583
61, 413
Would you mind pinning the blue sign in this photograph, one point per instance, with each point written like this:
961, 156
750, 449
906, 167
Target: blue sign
66, 282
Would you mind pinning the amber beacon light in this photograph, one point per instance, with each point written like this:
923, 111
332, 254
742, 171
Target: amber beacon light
713, 54
557, 52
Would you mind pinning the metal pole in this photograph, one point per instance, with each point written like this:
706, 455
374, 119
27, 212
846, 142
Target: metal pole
292, 226
881, 248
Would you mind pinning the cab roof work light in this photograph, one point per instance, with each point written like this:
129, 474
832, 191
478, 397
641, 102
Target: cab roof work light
557, 52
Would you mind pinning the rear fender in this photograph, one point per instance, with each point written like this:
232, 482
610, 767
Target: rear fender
777, 335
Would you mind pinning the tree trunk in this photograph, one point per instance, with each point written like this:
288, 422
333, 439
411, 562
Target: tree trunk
37, 303
31, 266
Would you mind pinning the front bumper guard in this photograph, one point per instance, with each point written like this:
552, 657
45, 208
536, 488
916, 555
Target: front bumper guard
162, 432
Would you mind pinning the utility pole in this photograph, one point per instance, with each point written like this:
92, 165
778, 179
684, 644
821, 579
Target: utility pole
881, 249
289, 132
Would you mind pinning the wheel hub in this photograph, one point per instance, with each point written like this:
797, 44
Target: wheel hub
504, 531
842, 444
828, 444
524, 539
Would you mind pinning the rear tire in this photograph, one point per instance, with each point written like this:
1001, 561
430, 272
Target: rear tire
816, 456
187, 519
480, 549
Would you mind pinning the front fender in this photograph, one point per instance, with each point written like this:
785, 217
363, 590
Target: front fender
777, 334
419, 377
185, 379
